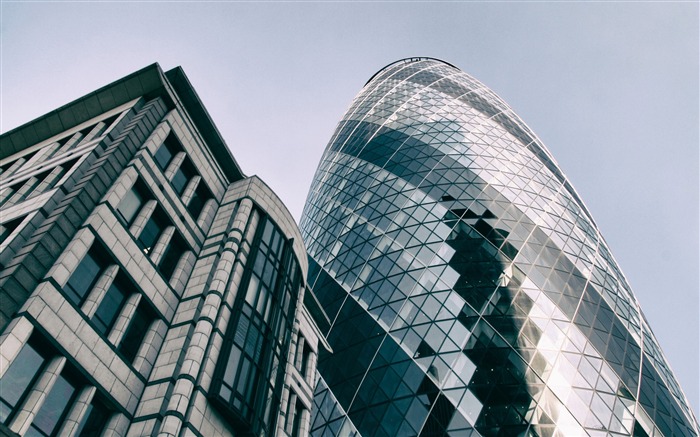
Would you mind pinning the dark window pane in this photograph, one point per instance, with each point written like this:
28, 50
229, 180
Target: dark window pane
182, 176
19, 378
166, 151
171, 256
50, 414
131, 203
111, 305
152, 230
85, 275
200, 197
94, 420
131, 342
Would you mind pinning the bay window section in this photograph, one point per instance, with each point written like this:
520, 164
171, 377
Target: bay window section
248, 378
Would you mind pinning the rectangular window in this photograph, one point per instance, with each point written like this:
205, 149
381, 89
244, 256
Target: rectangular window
165, 153
55, 406
111, 305
132, 202
176, 248
296, 424
303, 356
94, 420
182, 176
200, 197
21, 376
131, 342
155, 225
86, 274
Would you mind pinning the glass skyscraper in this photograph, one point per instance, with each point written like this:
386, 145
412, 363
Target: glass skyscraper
469, 290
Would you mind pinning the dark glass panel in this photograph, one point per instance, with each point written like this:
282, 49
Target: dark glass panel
131, 342
111, 305
152, 230
176, 248
94, 420
131, 203
182, 176
200, 197
49, 416
85, 275
19, 378
165, 153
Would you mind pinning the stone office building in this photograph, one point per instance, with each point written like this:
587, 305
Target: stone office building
147, 286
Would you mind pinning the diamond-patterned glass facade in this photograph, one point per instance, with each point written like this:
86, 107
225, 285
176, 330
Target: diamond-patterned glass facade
469, 290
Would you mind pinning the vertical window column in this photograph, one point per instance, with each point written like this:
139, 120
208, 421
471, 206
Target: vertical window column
38, 396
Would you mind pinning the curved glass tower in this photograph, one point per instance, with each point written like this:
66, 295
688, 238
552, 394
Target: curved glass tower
469, 290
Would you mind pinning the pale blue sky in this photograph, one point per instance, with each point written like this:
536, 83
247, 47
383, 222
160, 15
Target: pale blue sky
611, 89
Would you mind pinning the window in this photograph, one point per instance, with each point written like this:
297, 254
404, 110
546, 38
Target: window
165, 153
20, 377
296, 423
248, 375
111, 305
94, 419
55, 406
303, 354
182, 176
85, 275
132, 202
199, 198
176, 248
131, 342
155, 225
